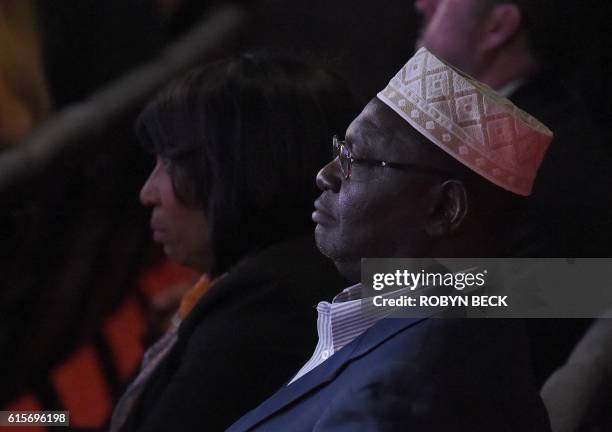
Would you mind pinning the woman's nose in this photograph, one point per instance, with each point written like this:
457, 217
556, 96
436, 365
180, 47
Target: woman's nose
149, 194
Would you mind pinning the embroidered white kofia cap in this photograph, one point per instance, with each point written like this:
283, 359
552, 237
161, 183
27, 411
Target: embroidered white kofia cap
470, 121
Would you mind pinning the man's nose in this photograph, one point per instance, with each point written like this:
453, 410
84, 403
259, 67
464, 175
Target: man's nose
330, 176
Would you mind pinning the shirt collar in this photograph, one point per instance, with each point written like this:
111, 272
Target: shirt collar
349, 315
349, 294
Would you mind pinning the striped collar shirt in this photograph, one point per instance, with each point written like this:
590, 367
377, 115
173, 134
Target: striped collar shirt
339, 323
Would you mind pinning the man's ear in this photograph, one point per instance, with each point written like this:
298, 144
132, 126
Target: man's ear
449, 208
502, 25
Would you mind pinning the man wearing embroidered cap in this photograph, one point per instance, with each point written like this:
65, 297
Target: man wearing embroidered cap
435, 166
428, 112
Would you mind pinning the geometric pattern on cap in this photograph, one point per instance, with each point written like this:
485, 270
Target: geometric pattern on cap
470, 121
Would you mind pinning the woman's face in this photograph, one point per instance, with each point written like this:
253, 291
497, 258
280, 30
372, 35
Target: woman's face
183, 231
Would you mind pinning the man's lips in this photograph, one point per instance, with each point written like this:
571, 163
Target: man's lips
322, 215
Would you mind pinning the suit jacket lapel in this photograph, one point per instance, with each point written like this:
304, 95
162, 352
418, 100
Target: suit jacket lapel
325, 372
289, 393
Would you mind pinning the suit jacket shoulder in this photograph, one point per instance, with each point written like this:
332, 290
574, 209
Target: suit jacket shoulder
421, 375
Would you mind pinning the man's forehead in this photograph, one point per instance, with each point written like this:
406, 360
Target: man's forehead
379, 129
372, 125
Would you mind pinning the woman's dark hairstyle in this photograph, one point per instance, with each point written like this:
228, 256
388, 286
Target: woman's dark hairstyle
244, 138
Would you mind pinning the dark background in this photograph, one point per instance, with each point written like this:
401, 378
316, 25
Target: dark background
74, 236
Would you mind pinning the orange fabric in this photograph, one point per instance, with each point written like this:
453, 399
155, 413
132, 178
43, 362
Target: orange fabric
192, 296
82, 388
79, 380
124, 331
162, 277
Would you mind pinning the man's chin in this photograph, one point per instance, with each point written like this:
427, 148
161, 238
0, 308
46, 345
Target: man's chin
324, 241
331, 247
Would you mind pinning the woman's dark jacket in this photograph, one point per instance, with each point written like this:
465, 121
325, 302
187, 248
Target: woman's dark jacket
244, 339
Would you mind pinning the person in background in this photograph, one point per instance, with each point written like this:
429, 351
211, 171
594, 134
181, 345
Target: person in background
238, 143
522, 48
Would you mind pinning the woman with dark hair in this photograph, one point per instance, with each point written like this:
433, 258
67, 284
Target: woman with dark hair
238, 144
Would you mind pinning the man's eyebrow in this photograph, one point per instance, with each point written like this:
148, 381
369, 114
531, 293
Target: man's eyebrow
369, 123
365, 125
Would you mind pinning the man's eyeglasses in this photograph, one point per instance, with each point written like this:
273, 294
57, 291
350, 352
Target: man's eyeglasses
362, 169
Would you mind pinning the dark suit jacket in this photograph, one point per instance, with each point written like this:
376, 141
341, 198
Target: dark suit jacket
244, 338
418, 375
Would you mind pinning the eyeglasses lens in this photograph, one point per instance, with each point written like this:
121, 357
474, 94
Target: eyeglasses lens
344, 156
